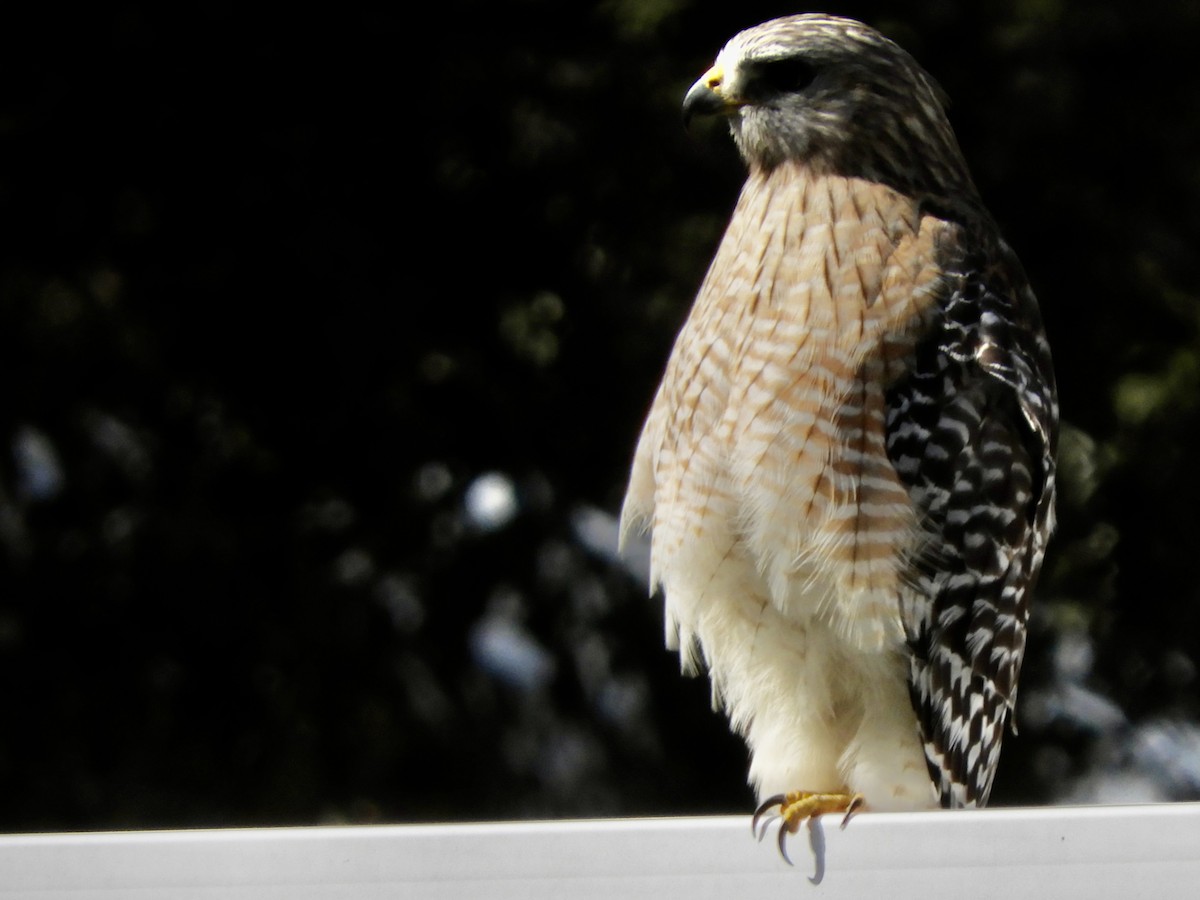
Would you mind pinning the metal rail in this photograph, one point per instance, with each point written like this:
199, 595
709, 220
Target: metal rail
1061, 852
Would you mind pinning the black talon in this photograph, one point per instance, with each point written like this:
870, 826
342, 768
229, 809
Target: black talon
783, 833
777, 800
856, 803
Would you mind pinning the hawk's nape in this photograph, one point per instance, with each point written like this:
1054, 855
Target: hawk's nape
848, 470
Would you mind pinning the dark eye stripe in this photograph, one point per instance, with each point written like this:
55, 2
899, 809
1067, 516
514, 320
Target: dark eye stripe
785, 75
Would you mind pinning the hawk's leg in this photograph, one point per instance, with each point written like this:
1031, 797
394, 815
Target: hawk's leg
796, 807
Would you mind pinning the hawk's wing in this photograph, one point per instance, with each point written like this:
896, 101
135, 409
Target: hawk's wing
971, 429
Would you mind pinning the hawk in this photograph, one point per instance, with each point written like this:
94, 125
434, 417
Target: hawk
848, 470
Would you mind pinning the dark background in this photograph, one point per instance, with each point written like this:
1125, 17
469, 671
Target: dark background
325, 340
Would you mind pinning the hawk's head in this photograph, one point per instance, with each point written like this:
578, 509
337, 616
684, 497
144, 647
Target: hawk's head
837, 96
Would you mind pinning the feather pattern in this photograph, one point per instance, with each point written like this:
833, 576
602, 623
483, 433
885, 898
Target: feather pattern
971, 430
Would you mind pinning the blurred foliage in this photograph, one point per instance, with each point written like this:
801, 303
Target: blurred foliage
326, 339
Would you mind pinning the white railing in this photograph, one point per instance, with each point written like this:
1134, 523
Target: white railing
1018, 854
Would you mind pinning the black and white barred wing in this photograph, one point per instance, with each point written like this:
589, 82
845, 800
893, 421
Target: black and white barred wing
971, 429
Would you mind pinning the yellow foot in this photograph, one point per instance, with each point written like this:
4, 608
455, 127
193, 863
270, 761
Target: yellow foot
795, 807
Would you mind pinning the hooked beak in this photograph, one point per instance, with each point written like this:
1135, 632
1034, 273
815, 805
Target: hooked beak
707, 97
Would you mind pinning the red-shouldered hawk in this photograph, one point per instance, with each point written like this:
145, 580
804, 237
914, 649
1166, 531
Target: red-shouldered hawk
848, 469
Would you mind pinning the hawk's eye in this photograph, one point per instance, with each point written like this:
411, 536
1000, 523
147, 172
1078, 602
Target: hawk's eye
785, 75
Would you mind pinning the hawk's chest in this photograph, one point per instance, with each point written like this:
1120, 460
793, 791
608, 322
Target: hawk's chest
815, 275
775, 394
